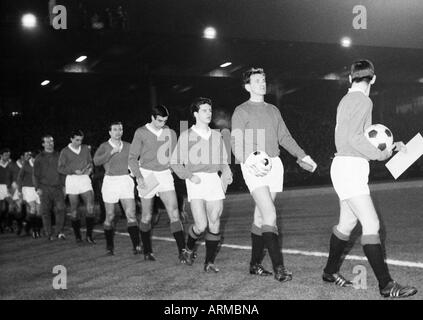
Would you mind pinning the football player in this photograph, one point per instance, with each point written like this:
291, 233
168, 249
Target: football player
350, 175
258, 126
29, 195
150, 153
49, 184
6, 179
199, 158
117, 186
76, 164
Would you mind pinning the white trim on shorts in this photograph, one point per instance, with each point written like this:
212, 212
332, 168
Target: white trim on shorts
350, 176
165, 179
116, 188
77, 184
209, 189
274, 179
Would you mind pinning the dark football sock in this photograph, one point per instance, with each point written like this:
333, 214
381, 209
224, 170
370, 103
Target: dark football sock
257, 248
336, 249
212, 242
89, 222
192, 238
76, 226
374, 254
134, 234
146, 237
33, 223
108, 233
270, 240
178, 234
39, 223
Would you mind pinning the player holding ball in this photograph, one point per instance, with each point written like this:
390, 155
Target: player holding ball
350, 175
258, 128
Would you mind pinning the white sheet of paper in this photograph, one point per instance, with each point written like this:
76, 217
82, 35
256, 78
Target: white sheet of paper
402, 161
150, 182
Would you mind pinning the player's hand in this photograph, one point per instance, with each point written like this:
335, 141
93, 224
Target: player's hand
195, 179
39, 192
399, 146
141, 183
115, 150
385, 154
307, 163
252, 168
226, 180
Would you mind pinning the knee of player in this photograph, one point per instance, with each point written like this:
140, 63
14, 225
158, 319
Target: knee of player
90, 209
200, 227
214, 228
371, 226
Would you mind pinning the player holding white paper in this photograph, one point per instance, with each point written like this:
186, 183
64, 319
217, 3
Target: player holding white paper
403, 160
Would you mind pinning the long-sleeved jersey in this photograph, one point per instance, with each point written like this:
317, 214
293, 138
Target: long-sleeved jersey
259, 126
198, 153
354, 115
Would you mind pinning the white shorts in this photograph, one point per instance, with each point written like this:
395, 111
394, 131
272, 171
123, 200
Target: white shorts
77, 184
30, 195
117, 187
164, 178
274, 179
209, 189
350, 176
4, 192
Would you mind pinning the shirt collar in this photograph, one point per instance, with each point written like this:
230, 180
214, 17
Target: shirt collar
120, 146
77, 151
203, 135
154, 131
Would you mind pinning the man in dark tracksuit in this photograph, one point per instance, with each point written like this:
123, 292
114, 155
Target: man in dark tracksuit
49, 184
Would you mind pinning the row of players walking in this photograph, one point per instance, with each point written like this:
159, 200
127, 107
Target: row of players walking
200, 158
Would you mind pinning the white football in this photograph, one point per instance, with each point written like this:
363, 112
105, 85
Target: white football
379, 136
261, 161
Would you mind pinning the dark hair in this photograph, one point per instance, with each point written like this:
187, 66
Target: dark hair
362, 70
159, 110
195, 105
4, 150
247, 74
115, 123
75, 133
46, 136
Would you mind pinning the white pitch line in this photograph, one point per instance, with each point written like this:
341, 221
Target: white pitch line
393, 262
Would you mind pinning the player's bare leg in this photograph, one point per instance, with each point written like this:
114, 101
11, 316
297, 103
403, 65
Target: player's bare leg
109, 227
364, 210
170, 202
129, 207
265, 203
88, 199
213, 237
145, 227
